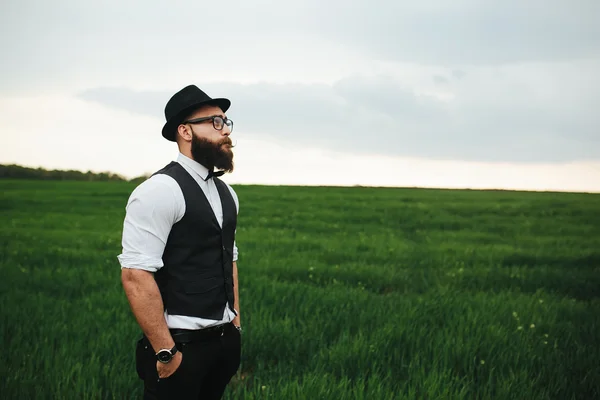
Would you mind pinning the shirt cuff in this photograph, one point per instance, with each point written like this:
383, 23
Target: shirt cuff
139, 261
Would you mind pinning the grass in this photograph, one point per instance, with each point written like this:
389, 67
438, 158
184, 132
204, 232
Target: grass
346, 293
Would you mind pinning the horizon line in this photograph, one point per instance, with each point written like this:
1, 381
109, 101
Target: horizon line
354, 185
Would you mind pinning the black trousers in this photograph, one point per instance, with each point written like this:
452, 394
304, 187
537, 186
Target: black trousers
206, 368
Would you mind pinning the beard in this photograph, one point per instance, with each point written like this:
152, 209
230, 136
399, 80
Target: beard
213, 154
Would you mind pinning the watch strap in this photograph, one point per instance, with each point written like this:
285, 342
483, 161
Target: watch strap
172, 351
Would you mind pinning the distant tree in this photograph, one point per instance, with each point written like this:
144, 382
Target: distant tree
15, 171
140, 179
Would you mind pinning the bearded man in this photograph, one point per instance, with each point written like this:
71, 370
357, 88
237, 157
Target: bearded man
179, 258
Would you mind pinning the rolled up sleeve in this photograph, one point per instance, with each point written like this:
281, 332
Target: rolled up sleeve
151, 211
235, 251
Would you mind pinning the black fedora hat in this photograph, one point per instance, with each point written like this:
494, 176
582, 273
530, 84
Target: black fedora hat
183, 103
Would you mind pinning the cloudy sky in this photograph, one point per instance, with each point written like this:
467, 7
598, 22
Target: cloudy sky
434, 93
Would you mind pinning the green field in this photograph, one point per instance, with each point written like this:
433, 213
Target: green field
346, 293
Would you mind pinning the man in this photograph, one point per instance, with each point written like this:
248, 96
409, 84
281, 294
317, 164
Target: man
179, 259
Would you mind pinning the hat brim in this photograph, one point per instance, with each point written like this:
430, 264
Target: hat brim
169, 130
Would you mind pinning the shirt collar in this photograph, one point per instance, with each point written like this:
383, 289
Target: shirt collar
195, 166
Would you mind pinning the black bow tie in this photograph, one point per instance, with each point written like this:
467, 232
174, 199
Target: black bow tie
213, 173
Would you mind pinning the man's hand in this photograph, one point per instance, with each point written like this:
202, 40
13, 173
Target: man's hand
166, 370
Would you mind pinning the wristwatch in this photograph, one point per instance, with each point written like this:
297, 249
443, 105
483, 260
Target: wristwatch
165, 355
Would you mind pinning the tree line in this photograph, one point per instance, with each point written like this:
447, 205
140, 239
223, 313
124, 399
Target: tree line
15, 171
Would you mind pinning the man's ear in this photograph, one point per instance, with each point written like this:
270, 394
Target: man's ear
184, 132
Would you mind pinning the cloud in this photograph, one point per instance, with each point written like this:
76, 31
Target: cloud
81, 135
125, 99
50, 46
458, 74
440, 79
513, 114
461, 80
469, 32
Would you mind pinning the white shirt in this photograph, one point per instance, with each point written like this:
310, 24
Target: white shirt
152, 209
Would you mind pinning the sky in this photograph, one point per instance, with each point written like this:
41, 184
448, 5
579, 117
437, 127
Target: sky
462, 94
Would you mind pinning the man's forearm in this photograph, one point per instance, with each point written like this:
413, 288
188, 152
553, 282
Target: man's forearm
236, 292
147, 306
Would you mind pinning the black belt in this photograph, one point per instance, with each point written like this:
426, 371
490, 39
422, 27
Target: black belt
187, 335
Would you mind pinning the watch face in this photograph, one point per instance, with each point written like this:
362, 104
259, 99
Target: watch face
164, 356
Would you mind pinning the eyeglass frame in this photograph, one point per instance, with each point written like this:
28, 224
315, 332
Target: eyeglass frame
204, 119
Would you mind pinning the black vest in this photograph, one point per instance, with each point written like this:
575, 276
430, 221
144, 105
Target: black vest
197, 277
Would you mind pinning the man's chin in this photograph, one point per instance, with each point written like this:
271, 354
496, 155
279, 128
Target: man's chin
226, 165
228, 153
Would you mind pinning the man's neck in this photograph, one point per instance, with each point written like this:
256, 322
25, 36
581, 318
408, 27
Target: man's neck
186, 152
191, 158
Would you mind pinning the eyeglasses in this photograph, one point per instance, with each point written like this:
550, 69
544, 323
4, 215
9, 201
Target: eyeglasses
217, 121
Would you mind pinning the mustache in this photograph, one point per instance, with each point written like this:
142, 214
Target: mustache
226, 141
